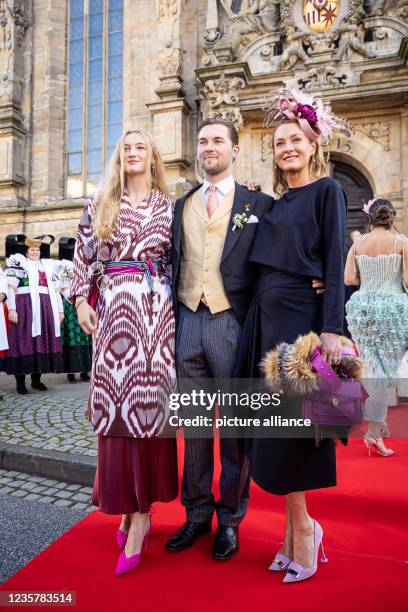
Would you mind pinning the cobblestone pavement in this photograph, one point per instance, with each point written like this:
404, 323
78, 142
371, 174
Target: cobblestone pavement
36, 510
47, 491
51, 420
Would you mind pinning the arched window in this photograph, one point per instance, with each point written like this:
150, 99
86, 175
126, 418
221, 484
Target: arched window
358, 191
95, 90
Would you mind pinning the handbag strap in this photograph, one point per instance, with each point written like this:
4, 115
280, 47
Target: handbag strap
322, 367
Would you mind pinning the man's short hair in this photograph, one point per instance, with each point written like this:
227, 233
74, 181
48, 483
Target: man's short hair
218, 120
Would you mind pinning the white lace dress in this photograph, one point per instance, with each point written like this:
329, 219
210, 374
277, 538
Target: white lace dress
377, 316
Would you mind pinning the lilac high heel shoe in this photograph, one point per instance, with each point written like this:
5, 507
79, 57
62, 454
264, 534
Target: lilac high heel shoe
280, 563
121, 538
126, 564
297, 572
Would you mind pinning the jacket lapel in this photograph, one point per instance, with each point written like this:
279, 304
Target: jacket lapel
244, 202
178, 218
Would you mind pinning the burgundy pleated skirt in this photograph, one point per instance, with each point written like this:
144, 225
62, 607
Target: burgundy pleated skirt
133, 473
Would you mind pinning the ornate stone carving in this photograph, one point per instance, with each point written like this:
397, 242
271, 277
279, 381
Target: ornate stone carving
323, 77
12, 18
232, 114
286, 12
223, 90
379, 131
170, 59
168, 8
254, 16
170, 54
399, 8
222, 96
245, 19
223, 49
294, 51
11, 87
321, 42
352, 33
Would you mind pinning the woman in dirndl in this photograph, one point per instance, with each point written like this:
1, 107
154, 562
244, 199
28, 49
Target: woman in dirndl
76, 344
3, 319
35, 314
124, 237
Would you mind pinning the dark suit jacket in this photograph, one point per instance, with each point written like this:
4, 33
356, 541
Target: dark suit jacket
236, 271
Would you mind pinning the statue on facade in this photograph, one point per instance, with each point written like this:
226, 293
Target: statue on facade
294, 52
352, 37
254, 16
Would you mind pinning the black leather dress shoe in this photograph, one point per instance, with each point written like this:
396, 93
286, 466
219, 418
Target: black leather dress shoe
226, 543
187, 535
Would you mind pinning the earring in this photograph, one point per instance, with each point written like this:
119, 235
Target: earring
153, 168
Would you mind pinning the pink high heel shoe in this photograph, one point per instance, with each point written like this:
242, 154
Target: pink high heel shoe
121, 538
280, 563
371, 442
126, 564
297, 572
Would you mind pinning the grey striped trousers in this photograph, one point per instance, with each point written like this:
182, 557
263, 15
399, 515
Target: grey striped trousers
206, 347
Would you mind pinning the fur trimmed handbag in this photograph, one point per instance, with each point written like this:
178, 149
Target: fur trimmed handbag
332, 397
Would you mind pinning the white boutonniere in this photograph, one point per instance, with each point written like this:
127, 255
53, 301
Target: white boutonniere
239, 220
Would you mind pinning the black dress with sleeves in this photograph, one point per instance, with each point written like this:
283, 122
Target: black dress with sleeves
299, 239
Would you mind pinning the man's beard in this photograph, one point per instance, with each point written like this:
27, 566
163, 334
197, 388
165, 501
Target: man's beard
214, 170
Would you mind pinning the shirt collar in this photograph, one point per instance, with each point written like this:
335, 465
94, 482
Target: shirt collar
224, 186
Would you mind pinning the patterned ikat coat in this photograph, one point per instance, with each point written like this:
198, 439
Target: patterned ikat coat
133, 369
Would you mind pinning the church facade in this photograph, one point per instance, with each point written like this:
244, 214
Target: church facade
75, 73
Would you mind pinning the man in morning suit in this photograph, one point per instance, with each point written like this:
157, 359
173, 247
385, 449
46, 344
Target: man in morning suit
213, 288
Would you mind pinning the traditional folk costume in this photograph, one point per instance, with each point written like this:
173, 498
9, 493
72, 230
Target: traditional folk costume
3, 320
133, 370
76, 344
34, 342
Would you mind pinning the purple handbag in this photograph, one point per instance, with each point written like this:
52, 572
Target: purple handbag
337, 401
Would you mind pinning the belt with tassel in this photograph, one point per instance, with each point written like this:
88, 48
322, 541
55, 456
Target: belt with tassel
148, 267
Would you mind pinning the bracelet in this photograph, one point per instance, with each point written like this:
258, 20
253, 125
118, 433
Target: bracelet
79, 302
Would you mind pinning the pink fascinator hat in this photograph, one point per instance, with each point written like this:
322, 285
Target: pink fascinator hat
316, 121
368, 205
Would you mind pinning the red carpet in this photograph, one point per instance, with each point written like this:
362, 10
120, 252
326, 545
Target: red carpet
366, 540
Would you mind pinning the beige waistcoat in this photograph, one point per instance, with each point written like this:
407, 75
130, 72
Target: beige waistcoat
202, 244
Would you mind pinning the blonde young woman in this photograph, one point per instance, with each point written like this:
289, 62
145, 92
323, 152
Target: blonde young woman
301, 238
124, 241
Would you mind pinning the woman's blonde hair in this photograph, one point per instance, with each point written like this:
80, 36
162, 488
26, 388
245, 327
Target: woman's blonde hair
317, 167
113, 183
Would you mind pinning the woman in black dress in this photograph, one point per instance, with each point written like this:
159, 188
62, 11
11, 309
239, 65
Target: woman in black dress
299, 239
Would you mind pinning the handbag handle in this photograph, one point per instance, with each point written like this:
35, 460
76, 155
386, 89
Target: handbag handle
322, 367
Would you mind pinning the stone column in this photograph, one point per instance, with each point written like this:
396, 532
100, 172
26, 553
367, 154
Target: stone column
49, 101
13, 25
171, 112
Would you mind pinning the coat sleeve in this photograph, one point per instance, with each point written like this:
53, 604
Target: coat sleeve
333, 236
85, 253
3, 282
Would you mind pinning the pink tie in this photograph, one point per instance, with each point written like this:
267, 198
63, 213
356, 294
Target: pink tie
212, 202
